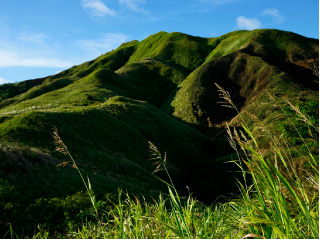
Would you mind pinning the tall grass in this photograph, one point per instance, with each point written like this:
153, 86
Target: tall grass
62, 148
169, 216
275, 201
160, 220
277, 204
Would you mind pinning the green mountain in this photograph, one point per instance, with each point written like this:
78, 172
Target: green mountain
161, 90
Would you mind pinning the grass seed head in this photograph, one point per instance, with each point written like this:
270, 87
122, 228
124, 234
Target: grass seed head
60, 146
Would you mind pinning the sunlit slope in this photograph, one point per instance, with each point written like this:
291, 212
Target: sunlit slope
162, 90
177, 48
109, 61
246, 64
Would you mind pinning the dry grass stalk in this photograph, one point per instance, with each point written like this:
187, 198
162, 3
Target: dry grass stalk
156, 155
60, 146
226, 96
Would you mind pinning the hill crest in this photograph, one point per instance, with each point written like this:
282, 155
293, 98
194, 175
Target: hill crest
161, 89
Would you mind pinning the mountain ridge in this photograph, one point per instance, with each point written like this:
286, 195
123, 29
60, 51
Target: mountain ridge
162, 90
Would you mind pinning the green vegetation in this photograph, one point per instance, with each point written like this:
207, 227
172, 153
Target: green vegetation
278, 203
162, 90
273, 203
175, 48
10, 90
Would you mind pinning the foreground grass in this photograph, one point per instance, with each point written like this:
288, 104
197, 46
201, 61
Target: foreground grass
276, 199
132, 219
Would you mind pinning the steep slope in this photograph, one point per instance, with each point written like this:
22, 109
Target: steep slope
181, 49
246, 64
109, 61
12, 90
155, 78
162, 90
109, 142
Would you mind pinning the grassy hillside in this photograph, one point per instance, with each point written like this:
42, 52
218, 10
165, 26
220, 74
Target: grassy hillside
161, 90
247, 64
176, 48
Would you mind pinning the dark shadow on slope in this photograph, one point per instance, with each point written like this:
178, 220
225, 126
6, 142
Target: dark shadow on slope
301, 75
11, 90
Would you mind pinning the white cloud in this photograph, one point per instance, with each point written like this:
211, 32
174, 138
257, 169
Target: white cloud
106, 43
248, 23
12, 59
2, 81
134, 5
38, 38
98, 8
275, 13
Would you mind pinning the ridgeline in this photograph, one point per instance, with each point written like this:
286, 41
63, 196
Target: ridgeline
161, 90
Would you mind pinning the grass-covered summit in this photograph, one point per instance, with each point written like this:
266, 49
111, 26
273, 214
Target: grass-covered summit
161, 90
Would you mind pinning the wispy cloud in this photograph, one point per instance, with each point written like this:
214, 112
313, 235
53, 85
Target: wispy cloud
38, 38
134, 5
13, 59
106, 43
97, 8
248, 23
3, 81
274, 13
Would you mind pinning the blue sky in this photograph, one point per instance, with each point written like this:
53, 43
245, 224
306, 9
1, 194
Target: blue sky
42, 37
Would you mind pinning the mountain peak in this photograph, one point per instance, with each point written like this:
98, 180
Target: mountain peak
161, 89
